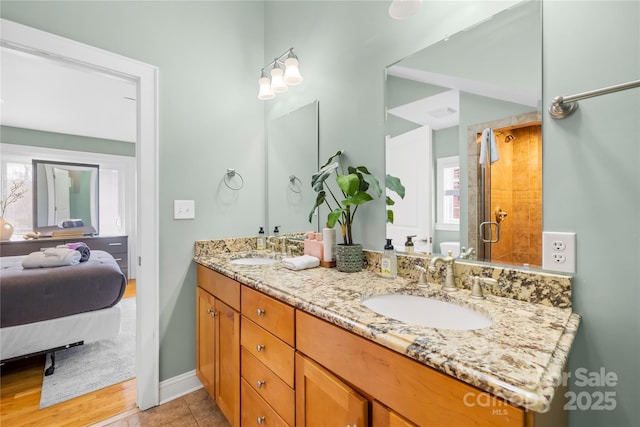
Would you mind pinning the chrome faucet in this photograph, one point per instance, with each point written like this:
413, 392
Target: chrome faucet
466, 253
448, 260
279, 246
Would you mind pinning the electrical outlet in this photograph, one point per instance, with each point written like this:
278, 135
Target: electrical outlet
558, 258
559, 251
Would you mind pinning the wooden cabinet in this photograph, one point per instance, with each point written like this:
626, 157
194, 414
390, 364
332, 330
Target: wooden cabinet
266, 363
218, 340
385, 417
205, 342
118, 246
268, 360
418, 393
324, 400
256, 410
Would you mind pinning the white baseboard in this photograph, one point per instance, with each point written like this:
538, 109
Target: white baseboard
178, 386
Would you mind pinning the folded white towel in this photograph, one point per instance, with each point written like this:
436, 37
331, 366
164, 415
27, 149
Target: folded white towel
52, 257
488, 142
300, 262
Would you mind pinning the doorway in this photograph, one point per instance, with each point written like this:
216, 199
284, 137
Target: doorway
146, 242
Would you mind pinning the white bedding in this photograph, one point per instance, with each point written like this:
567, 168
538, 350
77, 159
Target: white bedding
40, 336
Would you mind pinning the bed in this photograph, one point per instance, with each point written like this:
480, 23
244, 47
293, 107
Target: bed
43, 310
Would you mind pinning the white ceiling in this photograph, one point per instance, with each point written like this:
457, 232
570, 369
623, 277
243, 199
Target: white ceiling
53, 95
442, 110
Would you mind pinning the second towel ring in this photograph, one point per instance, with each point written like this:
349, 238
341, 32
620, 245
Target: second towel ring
230, 174
292, 184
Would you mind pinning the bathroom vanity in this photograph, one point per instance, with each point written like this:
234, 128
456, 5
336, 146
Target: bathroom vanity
282, 347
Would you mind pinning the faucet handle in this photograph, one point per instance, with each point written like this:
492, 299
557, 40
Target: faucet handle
422, 280
476, 288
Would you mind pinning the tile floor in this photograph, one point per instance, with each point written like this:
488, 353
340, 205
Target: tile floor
195, 409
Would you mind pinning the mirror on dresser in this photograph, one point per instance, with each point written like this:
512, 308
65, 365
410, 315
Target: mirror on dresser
439, 102
292, 157
65, 197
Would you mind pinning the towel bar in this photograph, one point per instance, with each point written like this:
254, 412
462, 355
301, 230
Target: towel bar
564, 106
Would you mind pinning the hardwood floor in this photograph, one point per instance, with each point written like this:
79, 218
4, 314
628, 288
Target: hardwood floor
21, 385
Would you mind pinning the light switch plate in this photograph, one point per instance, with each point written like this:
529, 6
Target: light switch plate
559, 251
184, 209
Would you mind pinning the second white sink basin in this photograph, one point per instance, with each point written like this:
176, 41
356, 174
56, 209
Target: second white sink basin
427, 312
253, 261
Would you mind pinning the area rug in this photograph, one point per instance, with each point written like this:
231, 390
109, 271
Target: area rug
90, 367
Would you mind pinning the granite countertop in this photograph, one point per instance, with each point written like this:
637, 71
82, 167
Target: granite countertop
520, 357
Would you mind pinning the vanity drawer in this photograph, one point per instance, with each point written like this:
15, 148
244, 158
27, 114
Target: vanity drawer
256, 411
269, 386
268, 349
271, 314
221, 287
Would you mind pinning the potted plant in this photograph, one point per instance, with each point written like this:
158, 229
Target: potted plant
356, 187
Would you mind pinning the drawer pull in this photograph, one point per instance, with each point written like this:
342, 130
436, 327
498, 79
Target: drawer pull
115, 244
260, 312
259, 348
260, 384
261, 420
211, 312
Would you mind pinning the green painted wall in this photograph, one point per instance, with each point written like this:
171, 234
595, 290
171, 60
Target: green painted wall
591, 165
591, 161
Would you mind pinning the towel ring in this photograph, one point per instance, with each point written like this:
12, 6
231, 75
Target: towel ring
292, 184
230, 174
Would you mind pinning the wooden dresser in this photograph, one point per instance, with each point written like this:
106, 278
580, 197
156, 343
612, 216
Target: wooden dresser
118, 246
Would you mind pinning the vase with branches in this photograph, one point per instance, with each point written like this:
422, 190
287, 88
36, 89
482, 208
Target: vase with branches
15, 193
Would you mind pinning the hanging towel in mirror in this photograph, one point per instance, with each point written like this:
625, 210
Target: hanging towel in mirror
488, 142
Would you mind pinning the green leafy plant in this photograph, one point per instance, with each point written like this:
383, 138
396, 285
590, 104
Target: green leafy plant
357, 187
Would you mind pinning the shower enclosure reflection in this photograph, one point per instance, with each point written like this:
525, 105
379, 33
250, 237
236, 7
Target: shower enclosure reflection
508, 218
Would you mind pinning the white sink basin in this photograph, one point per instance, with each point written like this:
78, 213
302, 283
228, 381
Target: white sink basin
427, 312
253, 261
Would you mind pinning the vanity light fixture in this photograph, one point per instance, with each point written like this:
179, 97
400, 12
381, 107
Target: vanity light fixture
403, 9
265, 91
281, 78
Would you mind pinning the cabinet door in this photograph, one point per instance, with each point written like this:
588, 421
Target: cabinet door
205, 342
385, 417
324, 400
227, 378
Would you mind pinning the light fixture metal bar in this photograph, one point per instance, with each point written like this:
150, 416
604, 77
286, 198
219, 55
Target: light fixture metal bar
278, 59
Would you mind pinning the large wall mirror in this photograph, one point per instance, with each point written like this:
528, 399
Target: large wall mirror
482, 83
292, 157
65, 197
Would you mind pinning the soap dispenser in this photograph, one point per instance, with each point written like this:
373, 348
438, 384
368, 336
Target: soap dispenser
408, 245
260, 239
389, 264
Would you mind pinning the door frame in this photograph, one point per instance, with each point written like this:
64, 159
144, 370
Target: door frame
147, 308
